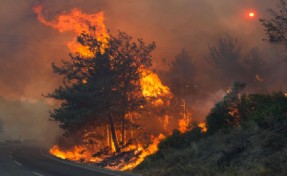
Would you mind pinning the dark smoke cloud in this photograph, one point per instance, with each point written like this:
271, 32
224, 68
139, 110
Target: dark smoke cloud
28, 47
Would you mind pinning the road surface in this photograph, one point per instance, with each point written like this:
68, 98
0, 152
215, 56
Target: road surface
26, 160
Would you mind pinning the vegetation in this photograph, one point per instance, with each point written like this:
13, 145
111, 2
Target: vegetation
100, 90
276, 27
246, 132
181, 74
251, 141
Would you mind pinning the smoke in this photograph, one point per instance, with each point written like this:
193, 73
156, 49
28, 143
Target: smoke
28, 47
23, 120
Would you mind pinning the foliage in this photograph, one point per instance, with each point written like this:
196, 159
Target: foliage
178, 140
253, 144
225, 113
265, 109
226, 58
181, 75
106, 84
238, 151
276, 27
257, 146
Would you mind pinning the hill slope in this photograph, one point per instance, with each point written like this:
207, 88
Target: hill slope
255, 145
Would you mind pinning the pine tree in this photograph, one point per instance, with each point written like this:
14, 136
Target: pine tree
99, 91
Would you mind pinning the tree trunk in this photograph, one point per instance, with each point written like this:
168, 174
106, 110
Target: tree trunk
123, 130
113, 133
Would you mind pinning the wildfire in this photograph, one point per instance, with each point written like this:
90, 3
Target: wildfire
183, 125
203, 127
77, 22
78, 153
152, 87
151, 149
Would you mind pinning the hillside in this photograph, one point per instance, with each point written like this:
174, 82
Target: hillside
253, 144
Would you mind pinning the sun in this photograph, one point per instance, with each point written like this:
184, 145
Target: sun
251, 14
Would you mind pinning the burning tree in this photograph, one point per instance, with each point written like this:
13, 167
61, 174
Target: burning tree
115, 109
102, 89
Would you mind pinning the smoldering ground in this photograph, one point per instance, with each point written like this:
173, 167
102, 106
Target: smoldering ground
28, 47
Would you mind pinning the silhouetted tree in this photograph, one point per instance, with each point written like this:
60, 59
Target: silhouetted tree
226, 58
255, 67
182, 75
276, 26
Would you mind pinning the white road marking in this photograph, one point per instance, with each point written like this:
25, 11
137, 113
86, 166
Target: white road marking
16, 162
100, 171
36, 173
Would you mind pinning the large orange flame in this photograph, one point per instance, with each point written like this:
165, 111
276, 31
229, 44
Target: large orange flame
78, 22
152, 85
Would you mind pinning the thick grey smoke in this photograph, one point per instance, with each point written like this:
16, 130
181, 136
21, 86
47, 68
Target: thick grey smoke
28, 47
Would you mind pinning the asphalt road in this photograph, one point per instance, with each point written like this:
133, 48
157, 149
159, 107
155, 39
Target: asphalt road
27, 160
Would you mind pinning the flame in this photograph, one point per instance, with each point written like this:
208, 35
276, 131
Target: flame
78, 153
203, 127
166, 122
151, 149
77, 22
183, 125
84, 81
152, 85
